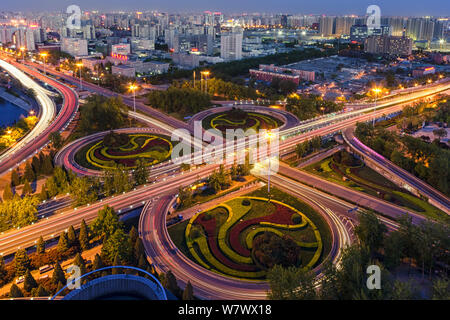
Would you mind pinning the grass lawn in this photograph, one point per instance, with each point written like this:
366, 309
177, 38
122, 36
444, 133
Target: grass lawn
366, 180
242, 217
176, 233
80, 156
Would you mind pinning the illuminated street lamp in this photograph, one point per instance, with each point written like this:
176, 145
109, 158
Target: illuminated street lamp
44, 56
376, 91
80, 66
205, 75
22, 50
323, 110
133, 88
269, 136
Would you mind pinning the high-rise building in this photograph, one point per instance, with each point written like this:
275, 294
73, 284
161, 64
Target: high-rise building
343, 25
88, 32
396, 24
391, 45
24, 37
420, 28
74, 46
326, 25
231, 45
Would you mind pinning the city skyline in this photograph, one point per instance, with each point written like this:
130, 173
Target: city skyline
326, 7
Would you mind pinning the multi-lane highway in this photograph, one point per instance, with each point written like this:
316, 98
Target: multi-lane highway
156, 114
436, 197
152, 223
51, 226
208, 284
39, 136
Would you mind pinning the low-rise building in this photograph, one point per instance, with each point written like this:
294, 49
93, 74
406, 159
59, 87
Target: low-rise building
423, 71
268, 72
124, 70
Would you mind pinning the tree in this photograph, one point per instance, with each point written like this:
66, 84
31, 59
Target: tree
43, 195
140, 173
291, 284
81, 191
83, 237
40, 291
440, 133
106, 223
15, 178
138, 249
56, 139
29, 173
117, 246
7, 193
63, 243
26, 189
71, 237
170, 283
370, 231
441, 289
316, 143
98, 262
15, 292
18, 212
40, 247
100, 113
116, 262
2, 267
29, 282
403, 291
301, 149
133, 234
185, 196
142, 263
188, 293
36, 165
47, 165
393, 250
79, 261
58, 275
22, 262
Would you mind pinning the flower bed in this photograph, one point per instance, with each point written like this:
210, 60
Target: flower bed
219, 242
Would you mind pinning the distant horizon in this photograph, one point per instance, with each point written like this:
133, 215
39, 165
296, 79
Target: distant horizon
436, 8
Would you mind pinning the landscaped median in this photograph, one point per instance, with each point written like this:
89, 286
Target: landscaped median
222, 239
124, 149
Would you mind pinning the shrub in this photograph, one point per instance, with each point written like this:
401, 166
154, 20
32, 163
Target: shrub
206, 216
245, 202
296, 218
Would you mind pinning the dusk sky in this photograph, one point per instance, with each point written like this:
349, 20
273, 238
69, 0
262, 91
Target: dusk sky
388, 7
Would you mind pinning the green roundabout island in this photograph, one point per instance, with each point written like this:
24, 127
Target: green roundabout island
239, 119
246, 236
124, 149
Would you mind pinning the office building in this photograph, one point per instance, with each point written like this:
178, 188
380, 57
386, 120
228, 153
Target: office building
231, 45
74, 46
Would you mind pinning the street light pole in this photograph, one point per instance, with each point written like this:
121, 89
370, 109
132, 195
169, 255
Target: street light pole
44, 55
22, 49
376, 91
133, 89
269, 136
80, 65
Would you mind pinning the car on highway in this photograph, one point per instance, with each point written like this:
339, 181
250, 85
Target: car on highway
172, 221
20, 279
45, 268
